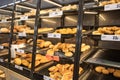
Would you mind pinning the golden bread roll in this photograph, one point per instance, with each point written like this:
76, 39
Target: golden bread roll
111, 70
29, 55
1, 72
50, 52
4, 30
69, 54
29, 59
116, 73
17, 61
24, 55
99, 69
2, 76
25, 62
47, 43
105, 71
38, 57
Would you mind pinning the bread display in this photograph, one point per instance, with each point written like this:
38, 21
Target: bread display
103, 3
107, 30
4, 30
67, 31
62, 71
107, 71
67, 48
26, 59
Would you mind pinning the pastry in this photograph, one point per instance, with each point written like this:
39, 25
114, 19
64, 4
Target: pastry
24, 55
1, 72
38, 57
50, 52
4, 30
99, 69
29, 59
116, 73
17, 61
111, 70
105, 71
47, 43
69, 54
25, 62
2, 76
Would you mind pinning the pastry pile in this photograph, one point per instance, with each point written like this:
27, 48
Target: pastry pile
107, 30
67, 31
109, 2
107, 71
62, 71
26, 59
67, 48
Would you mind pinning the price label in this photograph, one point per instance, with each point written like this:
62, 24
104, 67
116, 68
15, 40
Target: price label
22, 34
1, 47
1, 60
19, 67
55, 58
51, 35
112, 7
110, 37
24, 17
3, 20
55, 13
20, 51
47, 78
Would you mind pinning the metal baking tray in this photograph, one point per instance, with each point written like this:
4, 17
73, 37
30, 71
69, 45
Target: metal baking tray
106, 57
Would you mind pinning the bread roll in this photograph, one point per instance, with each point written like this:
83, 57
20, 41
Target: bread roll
105, 71
117, 73
17, 61
69, 54
99, 69
111, 70
25, 62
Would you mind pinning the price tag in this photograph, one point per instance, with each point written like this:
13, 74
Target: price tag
55, 13
24, 17
3, 20
49, 57
1, 60
55, 58
22, 34
47, 78
112, 7
51, 35
19, 67
110, 37
20, 51
1, 47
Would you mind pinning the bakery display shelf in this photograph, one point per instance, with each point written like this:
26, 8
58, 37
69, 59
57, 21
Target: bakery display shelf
91, 74
106, 57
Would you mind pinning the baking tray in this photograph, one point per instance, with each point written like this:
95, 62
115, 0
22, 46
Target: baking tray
93, 75
106, 57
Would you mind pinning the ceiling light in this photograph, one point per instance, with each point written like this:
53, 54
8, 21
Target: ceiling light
54, 3
71, 19
46, 20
